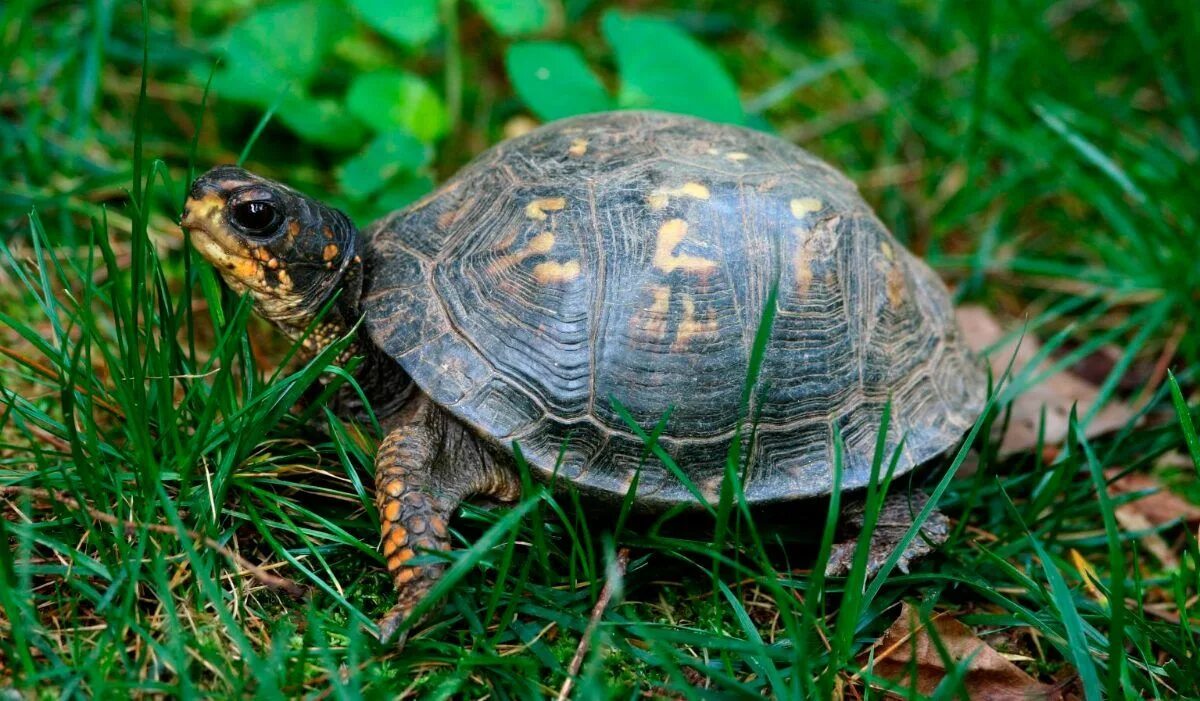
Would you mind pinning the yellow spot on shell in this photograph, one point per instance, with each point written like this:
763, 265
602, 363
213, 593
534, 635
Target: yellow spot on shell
670, 235
536, 246
550, 272
656, 314
811, 242
886, 249
895, 286
691, 327
578, 147
802, 206
330, 252
542, 243
803, 265
662, 196
737, 156
537, 209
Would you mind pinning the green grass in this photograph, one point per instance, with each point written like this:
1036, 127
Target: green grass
1041, 156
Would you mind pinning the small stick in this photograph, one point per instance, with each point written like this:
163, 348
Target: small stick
606, 595
264, 577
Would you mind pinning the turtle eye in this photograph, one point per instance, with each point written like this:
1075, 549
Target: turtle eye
256, 218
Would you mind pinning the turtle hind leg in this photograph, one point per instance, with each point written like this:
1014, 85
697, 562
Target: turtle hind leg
895, 518
424, 469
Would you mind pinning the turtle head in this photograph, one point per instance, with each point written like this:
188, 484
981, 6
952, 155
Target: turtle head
291, 253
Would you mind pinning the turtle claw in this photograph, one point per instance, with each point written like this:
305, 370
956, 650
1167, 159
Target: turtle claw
895, 518
389, 627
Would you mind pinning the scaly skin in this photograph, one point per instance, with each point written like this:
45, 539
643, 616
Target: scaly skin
895, 518
426, 466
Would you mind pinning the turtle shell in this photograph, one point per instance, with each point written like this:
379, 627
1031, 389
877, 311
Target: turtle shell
603, 278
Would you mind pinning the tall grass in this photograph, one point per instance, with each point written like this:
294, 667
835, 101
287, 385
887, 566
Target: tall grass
155, 446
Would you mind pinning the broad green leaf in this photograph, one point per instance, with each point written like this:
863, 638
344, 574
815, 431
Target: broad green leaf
322, 121
553, 79
662, 67
389, 155
409, 22
391, 100
513, 17
278, 47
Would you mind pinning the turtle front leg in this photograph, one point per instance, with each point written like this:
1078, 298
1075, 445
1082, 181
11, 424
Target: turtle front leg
895, 518
424, 469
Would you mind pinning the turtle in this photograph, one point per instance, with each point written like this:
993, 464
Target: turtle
598, 280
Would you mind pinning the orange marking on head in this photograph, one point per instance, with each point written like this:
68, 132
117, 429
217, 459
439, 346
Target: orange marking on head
330, 252
537, 209
670, 235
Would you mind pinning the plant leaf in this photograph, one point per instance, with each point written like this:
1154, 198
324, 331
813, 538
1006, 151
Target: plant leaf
514, 17
391, 100
321, 120
387, 156
910, 653
1056, 392
554, 80
662, 67
410, 22
277, 47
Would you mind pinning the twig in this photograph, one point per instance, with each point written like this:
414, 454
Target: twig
264, 577
606, 595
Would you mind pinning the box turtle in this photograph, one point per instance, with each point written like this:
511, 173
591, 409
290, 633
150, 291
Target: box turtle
602, 271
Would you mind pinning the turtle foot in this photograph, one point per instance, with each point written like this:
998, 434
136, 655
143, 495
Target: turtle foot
895, 518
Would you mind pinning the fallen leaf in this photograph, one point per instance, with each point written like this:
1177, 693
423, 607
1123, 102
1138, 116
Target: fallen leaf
988, 676
1160, 507
1057, 393
1134, 522
1163, 506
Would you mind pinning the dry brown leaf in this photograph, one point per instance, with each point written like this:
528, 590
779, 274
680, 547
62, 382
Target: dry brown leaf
989, 676
1163, 506
1057, 393
1134, 522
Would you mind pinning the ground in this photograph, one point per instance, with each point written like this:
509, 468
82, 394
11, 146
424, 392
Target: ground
179, 523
